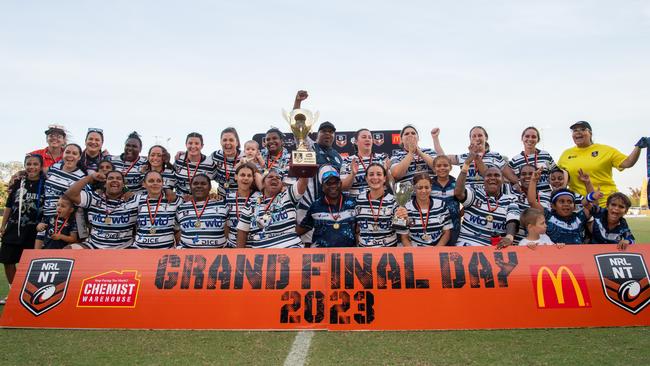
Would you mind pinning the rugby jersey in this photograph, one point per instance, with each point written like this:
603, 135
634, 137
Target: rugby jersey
541, 159
375, 222
56, 183
569, 230
490, 159
359, 183
221, 167
164, 220
476, 229
273, 161
522, 202
601, 234
324, 217
212, 223
61, 226
280, 230
130, 170
30, 211
185, 170
89, 163
168, 176
111, 221
446, 194
439, 220
417, 164
236, 205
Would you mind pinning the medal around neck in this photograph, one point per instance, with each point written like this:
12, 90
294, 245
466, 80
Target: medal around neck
403, 193
303, 160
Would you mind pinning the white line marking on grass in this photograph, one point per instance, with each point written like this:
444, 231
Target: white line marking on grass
300, 348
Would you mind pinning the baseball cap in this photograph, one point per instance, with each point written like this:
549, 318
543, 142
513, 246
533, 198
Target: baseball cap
583, 124
327, 124
326, 173
55, 129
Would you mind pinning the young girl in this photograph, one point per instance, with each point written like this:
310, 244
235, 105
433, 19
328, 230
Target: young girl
190, 163
375, 211
564, 224
429, 218
239, 199
442, 187
534, 222
60, 230
609, 226
21, 215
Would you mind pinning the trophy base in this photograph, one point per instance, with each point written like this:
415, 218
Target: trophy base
303, 164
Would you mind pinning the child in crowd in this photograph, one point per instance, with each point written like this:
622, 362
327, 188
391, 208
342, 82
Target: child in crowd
252, 154
534, 222
60, 229
609, 226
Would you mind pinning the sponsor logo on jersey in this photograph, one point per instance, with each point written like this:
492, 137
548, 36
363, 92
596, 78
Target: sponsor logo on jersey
341, 140
560, 286
110, 290
594, 153
46, 284
378, 139
625, 280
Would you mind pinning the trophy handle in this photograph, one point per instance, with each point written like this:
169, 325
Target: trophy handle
316, 115
286, 115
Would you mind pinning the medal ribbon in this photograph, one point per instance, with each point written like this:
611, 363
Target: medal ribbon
338, 214
196, 211
490, 209
237, 202
372, 209
153, 218
365, 168
225, 166
130, 167
425, 224
56, 224
526, 157
270, 164
187, 167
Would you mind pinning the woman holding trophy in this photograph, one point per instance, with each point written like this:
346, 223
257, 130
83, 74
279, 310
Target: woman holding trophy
355, 167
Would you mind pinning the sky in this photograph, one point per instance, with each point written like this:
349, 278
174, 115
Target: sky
166, 68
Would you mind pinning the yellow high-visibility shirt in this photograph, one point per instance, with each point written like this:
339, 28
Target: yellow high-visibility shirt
597, 160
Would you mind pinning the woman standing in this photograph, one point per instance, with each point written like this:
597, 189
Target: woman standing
531, 155
375, 211
158, 160
130, 162
412, 159
56, 140
239, 199
201, 220
271, 221
353, 171
429, 219
225, 161
274, 154
156, 212
22, 213
92, 154
60, 177
191, 163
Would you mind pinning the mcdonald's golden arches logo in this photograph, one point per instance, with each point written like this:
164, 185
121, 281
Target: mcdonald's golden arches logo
560, 286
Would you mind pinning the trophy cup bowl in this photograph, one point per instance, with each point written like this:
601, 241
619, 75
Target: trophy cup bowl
403, 193
303, 160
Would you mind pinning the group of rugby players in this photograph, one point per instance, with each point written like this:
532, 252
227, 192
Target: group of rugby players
69, 196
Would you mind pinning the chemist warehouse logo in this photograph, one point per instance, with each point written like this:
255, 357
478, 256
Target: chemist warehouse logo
560, 286
625, 280
110, 290
46, 284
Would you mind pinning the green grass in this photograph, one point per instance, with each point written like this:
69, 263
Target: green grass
627, 346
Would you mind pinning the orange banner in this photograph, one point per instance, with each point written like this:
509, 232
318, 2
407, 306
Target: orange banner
334, 289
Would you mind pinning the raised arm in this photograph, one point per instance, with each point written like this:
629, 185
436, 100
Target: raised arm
531, 195
586, 180
348, 179
459, 190
634, 155
300, 96
435, 136
399, 170
74, 192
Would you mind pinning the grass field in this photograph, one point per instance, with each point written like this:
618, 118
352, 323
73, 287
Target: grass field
607, 346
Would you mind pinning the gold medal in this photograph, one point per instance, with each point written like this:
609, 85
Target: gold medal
426, 237
152, 230
375, 227
336, 226
489, 218
226, 185
197, 224
108, 220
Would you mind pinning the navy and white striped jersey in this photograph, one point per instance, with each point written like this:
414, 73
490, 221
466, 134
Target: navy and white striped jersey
211, 224
417, 164
333, 223
236, 205
567, 230
184, 170
224, 171
281, 162
158, 234
439, 220
541, 159
446, 194
168, 176
60, 225
56, 183
359, 183
375, 220
602, 234
485, 219
522, 202
490, 159
112, 222
130, 170
275, 227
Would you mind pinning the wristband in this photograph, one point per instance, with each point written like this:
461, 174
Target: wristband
590, 197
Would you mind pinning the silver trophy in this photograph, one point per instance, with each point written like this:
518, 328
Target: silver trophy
403, 193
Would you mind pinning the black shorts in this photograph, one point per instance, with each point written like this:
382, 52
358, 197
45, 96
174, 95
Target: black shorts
10, 254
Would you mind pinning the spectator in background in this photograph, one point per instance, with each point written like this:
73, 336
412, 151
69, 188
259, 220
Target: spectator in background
56, 141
